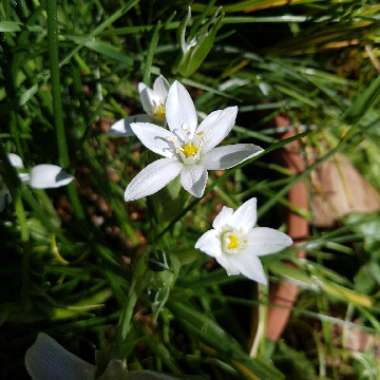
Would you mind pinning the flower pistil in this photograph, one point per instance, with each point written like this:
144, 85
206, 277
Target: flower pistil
189, 150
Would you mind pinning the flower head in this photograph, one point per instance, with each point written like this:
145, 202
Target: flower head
153, 99
44, 176
189, 149
153, 102
236, 243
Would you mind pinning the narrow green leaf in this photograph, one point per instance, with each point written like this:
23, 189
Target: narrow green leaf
10, 26
363, 102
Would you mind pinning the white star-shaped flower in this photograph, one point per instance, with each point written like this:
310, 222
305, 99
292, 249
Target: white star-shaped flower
43, 176
236, 243
153, 102
189, 149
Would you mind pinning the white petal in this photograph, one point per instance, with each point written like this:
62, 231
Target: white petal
122, 128
264, 241
161, 88
47, 360
228, 264
180, 111
216, 126
46, 176
228, 156
152, 178
155, 138
15, 160
250, 266
147, 98
209, 243
194, 179
245, 217
223, 218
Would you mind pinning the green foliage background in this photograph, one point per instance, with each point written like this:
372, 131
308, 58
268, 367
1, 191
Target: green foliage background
81, 265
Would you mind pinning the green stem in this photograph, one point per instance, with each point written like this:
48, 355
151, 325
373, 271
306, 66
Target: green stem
63, 152
21, 218
136, 286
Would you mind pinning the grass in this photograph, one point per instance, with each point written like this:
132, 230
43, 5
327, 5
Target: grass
83, 266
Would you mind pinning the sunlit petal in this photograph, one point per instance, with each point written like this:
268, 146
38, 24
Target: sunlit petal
245, 216
155, 138
209, 243
161, 88
228, 156
216, 127
46, 176
152, 178
180, 111
223, 218
265, 241
194, 179
15, 160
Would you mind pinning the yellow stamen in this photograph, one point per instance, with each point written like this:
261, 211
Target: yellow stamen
159, 112
189, 150
232, 241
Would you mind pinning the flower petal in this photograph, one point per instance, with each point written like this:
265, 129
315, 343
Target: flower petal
155, 138
46, 176
228, 156
15, 160
122, 127
147, 98
161, 88
228, 264
194, 179
47, 360
245, 217
216, 127
264, 241
250, 266
152, 178
223, 218
209, 243
180, 111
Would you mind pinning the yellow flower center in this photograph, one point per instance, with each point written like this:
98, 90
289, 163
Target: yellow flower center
159, 112
232, 241
189, 150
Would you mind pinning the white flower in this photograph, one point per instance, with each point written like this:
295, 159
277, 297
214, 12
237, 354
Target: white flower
236, 244
44, 176
189, 149
153, 102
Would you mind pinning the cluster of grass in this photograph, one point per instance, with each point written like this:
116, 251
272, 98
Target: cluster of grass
92, 271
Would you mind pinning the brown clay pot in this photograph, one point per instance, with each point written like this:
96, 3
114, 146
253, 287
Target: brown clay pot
283, 295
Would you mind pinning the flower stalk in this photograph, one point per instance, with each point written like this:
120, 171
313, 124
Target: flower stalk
63, 152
